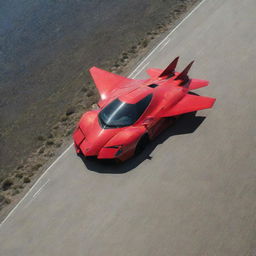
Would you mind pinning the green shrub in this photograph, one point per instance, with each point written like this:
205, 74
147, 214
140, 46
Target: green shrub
26, 180
70, 111
7, 183
49, 142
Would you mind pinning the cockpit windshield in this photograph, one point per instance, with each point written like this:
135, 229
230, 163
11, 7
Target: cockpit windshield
121, 114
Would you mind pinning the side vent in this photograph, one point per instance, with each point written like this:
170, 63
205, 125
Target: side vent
153, 85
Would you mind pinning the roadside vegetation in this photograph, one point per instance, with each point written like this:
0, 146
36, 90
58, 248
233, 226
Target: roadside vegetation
12, 183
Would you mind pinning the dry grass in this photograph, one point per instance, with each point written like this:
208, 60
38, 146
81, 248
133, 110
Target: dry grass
13, 182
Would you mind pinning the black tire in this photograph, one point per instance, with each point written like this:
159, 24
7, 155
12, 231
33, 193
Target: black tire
144, 140
118, 161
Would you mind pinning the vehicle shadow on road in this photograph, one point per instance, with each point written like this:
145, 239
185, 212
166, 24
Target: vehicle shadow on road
187, 123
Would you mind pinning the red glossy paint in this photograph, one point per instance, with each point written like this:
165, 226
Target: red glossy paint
170, 98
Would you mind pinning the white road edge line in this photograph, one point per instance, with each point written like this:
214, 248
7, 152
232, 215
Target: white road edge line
142, 68
39, 179
172, 31
67, 149
39, 190
163, 46
36, 194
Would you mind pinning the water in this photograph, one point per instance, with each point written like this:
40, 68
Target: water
46, 44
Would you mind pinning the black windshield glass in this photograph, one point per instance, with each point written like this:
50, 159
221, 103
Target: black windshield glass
120, 114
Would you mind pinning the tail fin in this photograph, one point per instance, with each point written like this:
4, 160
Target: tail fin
169, 71
184, 74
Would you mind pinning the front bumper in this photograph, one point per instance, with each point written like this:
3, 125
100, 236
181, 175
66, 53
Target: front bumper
84, 147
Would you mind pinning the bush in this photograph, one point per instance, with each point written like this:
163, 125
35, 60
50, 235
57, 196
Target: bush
36, 167
26, 180
50, 135
41, 150
20, 166
58, 144
7, 183
19, 175
2, 198
89, 93
145, 43
70, 111
84, 89
49, 142
7, 200
15, 192
70, 131
40, 138
64, 118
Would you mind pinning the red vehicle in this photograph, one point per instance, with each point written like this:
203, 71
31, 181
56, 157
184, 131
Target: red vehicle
131, 112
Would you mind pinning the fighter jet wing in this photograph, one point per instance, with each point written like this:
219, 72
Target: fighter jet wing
197, 83
154, 72
107, 82
189, 103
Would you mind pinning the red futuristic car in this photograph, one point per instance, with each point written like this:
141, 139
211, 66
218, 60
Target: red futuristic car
132, 112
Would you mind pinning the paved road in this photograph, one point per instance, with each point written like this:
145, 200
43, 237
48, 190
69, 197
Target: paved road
191, 193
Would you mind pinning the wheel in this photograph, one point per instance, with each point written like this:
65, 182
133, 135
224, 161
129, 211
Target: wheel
142, 144
117, 161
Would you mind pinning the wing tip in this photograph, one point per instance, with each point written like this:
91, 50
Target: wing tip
93, 68
197, 83
213, 101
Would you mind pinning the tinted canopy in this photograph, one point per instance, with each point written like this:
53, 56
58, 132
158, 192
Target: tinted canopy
121, 114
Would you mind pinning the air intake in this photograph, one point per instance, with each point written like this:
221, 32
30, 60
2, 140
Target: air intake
153, 85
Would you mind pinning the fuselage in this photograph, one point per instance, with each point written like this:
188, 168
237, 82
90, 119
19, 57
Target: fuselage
133, 111
93, 136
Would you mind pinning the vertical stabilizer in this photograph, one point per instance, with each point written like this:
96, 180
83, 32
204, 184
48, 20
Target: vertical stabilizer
169, 71
184, 74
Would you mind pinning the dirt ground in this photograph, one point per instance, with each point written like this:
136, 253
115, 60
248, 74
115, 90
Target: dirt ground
45, 86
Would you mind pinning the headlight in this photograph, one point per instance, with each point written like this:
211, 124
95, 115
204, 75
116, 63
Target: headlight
119, 147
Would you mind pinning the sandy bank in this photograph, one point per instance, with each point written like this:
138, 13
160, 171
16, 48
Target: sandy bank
45, 86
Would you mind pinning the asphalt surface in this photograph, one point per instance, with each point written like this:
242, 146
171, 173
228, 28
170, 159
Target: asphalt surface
192, 192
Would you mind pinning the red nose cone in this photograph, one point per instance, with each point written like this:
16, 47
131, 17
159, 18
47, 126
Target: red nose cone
91, 139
